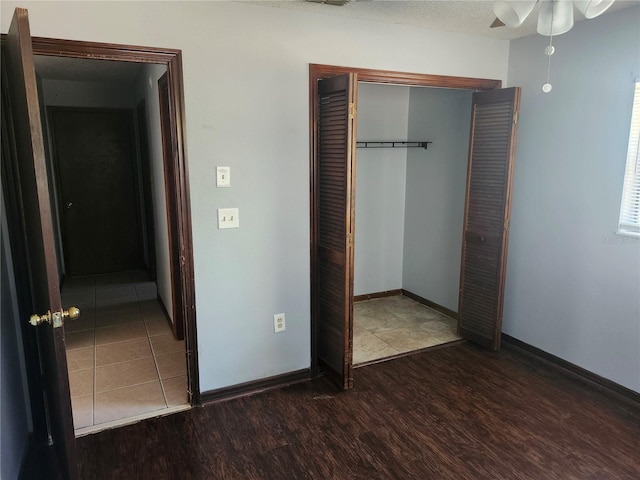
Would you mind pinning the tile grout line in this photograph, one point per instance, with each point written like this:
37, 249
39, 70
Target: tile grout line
153, 353
387, 343
139, 309
123, 361
127, 386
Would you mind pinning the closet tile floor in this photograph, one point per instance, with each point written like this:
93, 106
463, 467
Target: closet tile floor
388, 326
122, 358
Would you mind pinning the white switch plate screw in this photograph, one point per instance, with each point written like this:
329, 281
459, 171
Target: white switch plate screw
278, 323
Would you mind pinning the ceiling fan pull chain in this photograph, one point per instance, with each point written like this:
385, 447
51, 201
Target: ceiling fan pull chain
546, 88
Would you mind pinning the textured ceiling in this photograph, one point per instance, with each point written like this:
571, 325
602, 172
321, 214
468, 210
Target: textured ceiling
86, 70
471, 16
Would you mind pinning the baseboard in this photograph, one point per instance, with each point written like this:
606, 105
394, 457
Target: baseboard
585, 375
254, 387
369, 296
430, 304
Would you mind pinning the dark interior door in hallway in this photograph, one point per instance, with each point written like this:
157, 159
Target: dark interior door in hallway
94, 155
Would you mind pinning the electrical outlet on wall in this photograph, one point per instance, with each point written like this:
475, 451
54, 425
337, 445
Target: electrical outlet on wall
278, 323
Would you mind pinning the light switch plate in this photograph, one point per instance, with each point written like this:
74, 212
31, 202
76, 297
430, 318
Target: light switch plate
228, 218
223, 176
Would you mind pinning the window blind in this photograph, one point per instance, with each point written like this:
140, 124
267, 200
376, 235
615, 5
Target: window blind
629, 223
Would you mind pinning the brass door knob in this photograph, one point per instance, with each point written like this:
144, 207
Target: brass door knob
55, 318
72, 313
36, 319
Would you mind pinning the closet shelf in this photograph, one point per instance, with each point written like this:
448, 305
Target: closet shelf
393, 144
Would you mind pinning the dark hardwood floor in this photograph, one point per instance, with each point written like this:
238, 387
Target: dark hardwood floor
456, 412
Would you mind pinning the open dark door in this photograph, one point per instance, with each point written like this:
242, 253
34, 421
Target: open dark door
334, 211
487, 211
41, 261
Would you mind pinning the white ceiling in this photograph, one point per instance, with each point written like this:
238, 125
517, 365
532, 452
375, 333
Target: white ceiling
85, 69
470, 16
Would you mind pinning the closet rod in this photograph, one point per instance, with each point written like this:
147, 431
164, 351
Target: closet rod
393, 144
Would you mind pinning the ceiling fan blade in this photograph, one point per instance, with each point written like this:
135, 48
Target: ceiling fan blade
497, 23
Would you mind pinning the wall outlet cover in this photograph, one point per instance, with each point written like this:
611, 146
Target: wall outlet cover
279, 324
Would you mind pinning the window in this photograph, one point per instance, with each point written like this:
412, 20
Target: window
630, 209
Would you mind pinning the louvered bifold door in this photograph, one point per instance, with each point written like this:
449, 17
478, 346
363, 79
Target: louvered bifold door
487, 210
335, 206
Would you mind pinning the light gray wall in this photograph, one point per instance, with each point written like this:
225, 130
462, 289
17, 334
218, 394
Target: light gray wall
246, 81
383, 113
436, 181
573, 285
15, 420
146, 86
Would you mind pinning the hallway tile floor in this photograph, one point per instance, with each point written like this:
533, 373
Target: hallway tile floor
389, 326
123, 360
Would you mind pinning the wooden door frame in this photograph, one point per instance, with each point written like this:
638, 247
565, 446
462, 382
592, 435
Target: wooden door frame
169, 149
172, 59
142, 138
317, 72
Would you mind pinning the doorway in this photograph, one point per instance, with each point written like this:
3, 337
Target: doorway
33, 236
150, 65
333, 97
103, 123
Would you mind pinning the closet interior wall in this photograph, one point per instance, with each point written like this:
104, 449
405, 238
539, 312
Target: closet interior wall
410, 202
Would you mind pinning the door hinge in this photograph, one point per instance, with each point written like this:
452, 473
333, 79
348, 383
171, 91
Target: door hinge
507, 224
350, 239
515, 117
352, 111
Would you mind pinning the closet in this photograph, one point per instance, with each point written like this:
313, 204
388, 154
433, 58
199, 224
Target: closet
409, 212
484, 235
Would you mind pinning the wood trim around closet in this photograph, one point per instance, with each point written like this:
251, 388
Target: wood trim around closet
319, 71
